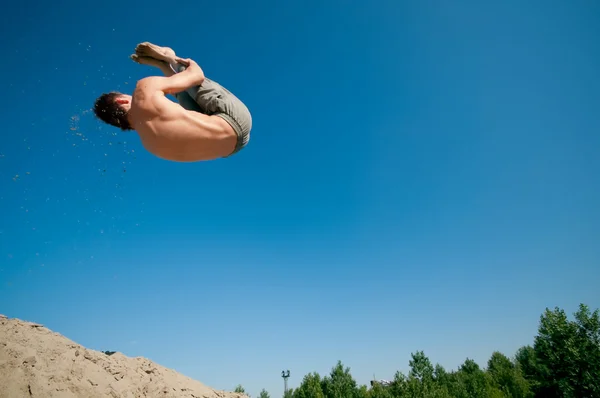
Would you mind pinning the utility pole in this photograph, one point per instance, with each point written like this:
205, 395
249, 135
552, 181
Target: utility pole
285, 375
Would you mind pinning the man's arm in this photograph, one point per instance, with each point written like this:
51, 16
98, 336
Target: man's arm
178, 82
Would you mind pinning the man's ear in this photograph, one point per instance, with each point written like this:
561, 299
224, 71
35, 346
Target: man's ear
121, 101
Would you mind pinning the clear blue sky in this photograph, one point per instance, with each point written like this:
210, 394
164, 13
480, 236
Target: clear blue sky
420, 176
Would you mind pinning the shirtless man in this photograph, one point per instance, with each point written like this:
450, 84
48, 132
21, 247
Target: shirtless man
208, 123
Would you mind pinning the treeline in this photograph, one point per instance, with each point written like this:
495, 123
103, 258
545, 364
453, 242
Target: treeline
563, 361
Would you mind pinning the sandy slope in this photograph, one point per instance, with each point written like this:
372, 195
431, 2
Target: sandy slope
36, 362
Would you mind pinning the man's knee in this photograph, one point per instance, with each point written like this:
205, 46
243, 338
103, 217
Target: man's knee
187, 102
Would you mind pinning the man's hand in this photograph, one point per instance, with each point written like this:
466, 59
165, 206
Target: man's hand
191, 67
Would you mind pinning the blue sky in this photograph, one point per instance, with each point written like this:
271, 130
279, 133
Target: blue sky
421, 175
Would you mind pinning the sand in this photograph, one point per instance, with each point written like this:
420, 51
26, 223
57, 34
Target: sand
37, 362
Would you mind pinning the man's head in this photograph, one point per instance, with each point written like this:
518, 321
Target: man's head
112, 108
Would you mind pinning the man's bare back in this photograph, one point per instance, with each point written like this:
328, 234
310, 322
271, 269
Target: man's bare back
166, 128
171, 132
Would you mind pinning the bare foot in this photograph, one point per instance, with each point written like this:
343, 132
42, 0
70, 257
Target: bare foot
150, 50
149, 61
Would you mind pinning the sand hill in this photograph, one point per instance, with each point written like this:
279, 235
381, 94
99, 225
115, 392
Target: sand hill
36, 362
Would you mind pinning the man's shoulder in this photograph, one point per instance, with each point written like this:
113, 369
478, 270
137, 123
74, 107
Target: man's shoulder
149, 97
149, 90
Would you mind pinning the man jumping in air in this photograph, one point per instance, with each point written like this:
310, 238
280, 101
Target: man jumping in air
208, 123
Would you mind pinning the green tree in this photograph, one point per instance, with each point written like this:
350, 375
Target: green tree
289, 393
363, 392
567, 354
439, 374
507, 377
263, 394
473, 381
398, 386
420, 367
310, 387
239, 389
455, 384
422, 380
527, 362
420, 377
339, 383
587, 341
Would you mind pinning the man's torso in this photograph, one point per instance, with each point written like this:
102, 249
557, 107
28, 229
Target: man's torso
170, 132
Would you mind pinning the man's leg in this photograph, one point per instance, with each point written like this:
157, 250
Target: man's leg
192, 92
209, 96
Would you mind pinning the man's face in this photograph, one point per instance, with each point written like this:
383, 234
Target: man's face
124, 101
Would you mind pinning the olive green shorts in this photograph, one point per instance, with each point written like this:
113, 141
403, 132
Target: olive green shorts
211, 98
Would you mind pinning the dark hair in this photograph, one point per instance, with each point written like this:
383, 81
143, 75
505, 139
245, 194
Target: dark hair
107, 110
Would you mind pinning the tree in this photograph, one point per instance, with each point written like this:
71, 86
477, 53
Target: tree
423, 381
263, 394
587, 340
420, 367
439, 374
363, 392
289, 393
339, 383
420, 377
473, 381
567, 354
239, 389
311, 387
398, 386
527, 362
507, 377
